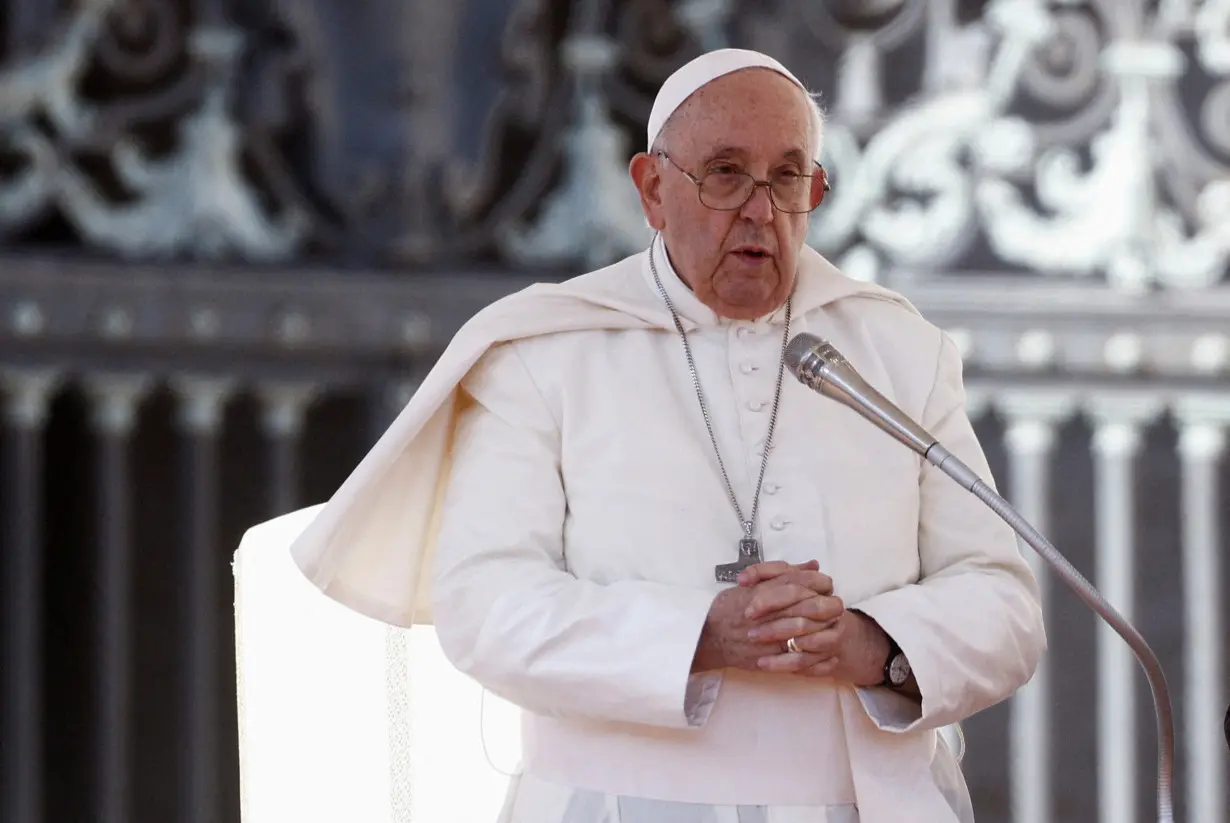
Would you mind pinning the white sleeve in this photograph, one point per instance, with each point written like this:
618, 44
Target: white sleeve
506, 610
972, 626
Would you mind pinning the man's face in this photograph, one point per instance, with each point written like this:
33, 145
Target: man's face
741, 264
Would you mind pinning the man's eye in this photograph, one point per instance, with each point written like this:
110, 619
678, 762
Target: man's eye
723, 169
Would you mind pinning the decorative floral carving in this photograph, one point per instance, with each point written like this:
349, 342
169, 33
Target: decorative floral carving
124, 126
1075, 139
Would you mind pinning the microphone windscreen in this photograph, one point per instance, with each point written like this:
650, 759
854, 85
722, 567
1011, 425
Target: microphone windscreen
798, 349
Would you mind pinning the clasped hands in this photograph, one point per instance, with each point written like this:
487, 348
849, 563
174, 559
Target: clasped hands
750, 624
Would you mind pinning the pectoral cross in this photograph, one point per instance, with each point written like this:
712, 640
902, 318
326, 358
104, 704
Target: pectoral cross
749, 555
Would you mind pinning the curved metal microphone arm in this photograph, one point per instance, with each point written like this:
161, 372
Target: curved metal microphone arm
819, 366
943, 459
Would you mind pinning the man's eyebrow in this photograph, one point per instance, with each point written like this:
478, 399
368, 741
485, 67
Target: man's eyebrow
725, 151
794, 155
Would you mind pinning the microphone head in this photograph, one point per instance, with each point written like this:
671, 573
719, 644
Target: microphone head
799, 350
806, 354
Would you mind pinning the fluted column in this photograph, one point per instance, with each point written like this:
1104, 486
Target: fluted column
284, 406
115, 401
26, 397
1118, 427
202, 402
1202, 441
1029, 439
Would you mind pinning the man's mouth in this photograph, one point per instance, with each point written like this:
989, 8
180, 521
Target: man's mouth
751, 253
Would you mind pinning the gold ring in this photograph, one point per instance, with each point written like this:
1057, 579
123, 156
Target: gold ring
793, 647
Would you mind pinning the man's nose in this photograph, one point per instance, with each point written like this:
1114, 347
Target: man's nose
759, 207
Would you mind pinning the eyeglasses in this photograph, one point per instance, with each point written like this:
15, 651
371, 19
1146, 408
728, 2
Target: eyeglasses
727, 188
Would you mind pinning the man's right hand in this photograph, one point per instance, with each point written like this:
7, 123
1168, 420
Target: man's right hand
725, 640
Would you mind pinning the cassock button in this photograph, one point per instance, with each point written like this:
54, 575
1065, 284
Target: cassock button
744, 331
748, 368
779, 524
771, 488
757, 405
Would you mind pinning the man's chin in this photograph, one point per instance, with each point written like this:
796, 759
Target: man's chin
743, 307
750, 297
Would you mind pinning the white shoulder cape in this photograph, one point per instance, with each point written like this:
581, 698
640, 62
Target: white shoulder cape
371, 545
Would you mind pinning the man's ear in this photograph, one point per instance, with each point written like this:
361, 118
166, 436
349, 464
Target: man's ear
646, 175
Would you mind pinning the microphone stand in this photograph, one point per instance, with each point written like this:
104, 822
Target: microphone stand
818, 365
943, 459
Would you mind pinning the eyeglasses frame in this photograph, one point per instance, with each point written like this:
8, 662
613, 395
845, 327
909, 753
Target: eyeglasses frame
823, 175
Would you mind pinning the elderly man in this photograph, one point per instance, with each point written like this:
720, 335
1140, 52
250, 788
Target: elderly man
715, 595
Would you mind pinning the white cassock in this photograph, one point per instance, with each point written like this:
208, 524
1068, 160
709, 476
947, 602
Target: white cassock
567, 503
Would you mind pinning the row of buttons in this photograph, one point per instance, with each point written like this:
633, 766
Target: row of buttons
777, 524
750, 368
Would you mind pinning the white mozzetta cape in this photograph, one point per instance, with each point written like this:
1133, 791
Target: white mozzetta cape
962, 602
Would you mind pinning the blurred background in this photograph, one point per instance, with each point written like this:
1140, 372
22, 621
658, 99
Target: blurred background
236, 233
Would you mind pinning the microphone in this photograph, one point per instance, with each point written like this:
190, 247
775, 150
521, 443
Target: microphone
820, 366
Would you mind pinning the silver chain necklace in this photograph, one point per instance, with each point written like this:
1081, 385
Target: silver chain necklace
749, 546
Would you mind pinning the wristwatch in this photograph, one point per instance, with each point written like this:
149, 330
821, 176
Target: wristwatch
896, 668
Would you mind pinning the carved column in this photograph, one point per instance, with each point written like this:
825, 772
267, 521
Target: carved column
1029, 439
114, 413
202, 403
1118, 423
25, 396
1202, 441
284, 407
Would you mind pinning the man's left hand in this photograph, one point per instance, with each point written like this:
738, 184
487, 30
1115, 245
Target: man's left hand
851, 647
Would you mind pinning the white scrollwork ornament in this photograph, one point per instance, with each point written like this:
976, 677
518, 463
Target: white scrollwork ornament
1196, 260
194, 201
45, 84
1091, 216
594, 217
910, 191
1212, 28
1117, 187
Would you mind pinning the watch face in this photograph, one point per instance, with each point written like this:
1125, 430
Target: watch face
899, 670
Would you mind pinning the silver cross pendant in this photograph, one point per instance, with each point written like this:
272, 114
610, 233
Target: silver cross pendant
749, 555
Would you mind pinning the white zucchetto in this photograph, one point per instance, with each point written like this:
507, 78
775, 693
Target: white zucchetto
706, 68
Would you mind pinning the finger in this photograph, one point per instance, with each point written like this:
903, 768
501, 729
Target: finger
771, 569
787, 591
825, 668
820, 609
807, 575
773, 596
814, 579
789, 662
825, 642
779, 631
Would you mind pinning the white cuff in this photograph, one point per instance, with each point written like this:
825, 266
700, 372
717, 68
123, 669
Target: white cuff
889, 710
701, 696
